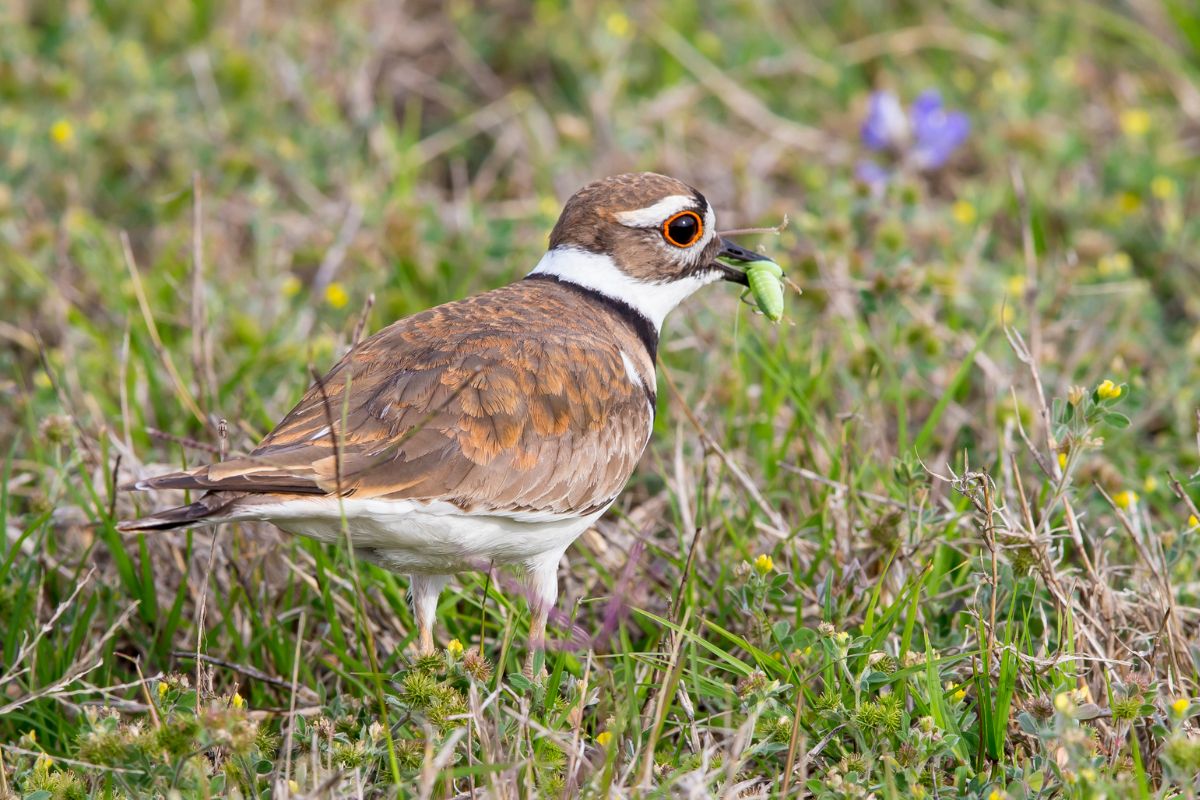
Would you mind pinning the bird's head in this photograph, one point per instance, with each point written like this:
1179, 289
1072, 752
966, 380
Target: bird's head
644, 239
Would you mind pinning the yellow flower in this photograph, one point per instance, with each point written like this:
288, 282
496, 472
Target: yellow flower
1064, 69
293, 787
286, 148
708, 43
841, 637
335, 295
1088, 774
1125, 499
1128, 203
237, 701
1163, 187
62, 133
603, 738
1150, 484
995, 795
1062, 461
964, 212
1063, 702
764, 564
454, 647
1193, 521
960, 695
1118, 263
291, 286
44, 762
1134, 122
618, 24
1004, 82
1181, 705
162, 689
1015, 285
1107, 390
75, 220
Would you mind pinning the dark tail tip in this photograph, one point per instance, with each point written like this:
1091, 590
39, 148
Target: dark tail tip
149, 524
201, 512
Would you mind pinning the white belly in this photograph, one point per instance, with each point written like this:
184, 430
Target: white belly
438, 538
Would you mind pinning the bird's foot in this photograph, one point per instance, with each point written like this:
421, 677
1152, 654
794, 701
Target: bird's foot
535, 666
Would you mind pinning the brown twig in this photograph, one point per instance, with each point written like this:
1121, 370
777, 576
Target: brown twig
570, 785
361, 325
183, 441
1167, 598
242, 669
74, 762
795, 745
808, 474
199, 362
1178, 490
683, 576
776, 229
287, 743
212, 555
665, 692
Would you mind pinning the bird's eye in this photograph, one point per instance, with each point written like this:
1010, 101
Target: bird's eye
683, 229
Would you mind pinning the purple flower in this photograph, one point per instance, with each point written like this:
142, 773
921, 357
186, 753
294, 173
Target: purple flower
871, 173
886, 126
936, 131
924, 139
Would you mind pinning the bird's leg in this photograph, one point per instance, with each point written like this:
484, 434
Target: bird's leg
537, 640
423, 591
541, 582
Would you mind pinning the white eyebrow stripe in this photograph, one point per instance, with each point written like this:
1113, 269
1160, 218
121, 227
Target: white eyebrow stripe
710, 224
653, 216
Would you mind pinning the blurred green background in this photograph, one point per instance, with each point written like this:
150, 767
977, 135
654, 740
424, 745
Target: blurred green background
274, 165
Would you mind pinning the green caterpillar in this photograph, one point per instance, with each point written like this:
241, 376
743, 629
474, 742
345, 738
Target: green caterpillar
766, 286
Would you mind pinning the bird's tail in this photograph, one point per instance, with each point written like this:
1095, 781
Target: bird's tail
213, 507
208, 510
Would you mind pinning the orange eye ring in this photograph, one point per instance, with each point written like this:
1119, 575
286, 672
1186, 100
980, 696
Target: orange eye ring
683, 229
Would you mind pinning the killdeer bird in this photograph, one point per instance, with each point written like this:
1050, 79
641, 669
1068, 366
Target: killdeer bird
492, 430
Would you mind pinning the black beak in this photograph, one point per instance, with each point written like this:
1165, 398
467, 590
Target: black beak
735, 252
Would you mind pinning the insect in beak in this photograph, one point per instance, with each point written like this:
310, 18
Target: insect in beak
735, 252
762, 276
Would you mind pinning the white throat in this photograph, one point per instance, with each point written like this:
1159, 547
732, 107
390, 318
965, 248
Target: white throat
600, 273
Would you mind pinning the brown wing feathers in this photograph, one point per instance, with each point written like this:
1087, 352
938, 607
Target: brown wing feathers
461, 404
269, 482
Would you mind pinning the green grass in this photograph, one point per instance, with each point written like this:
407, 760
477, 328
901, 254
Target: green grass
945, 611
